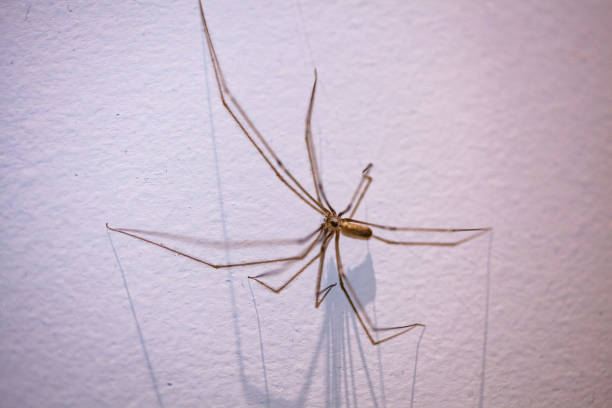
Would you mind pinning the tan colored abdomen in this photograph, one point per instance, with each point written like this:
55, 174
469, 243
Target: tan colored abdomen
353, 230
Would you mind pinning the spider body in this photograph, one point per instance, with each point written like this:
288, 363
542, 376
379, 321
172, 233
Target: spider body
333, 226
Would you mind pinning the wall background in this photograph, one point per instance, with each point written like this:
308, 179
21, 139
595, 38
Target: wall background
473, 114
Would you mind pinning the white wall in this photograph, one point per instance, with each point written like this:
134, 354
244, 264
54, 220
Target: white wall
473, 114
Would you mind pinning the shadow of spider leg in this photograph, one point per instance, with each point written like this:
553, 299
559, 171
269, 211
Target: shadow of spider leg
358, 308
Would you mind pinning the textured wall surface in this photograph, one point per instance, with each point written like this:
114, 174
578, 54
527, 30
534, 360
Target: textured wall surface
473, 113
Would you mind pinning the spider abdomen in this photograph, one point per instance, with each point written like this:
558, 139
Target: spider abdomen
355, 230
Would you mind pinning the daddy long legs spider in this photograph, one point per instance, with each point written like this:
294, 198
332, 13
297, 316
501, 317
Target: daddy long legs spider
335, 224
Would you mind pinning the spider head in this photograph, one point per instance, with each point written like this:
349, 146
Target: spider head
332, 222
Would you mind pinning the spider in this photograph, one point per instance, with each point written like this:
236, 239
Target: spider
335, 224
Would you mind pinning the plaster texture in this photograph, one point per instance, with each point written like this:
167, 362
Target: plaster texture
473, 113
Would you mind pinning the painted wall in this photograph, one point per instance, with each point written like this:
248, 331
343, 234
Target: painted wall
473, 114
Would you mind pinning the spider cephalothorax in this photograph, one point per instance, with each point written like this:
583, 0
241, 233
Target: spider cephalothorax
332, 223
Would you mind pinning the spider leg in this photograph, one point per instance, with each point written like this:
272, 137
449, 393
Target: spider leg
243, 121
358, 308
320, 256
219, 266
314, 169
312, 157
222, 243
321, 294
365, 179
418, 229
427, 243
291, 279
476, 232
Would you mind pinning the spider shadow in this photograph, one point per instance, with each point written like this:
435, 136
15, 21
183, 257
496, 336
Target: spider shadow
143, 344
342, 348
339, 322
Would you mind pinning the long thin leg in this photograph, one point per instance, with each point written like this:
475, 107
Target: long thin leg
219, 266
291, 279
318, 292
321, 294
224, 93
417, 229
426, 243
477, 232
225, 244
356, 304
312, 157
365, 179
